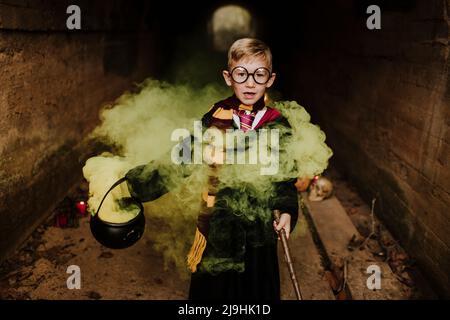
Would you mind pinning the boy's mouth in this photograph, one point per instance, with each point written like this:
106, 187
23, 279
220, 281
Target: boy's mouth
249, 95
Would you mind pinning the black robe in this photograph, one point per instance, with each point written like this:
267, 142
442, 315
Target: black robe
260, 278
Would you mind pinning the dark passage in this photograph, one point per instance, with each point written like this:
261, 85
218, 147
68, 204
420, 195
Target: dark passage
381, 96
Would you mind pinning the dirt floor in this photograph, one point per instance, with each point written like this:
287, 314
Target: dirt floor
39, 269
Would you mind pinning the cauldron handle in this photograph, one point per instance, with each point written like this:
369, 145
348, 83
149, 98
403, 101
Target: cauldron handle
112, 187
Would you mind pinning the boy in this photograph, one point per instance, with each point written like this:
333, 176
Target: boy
234, 255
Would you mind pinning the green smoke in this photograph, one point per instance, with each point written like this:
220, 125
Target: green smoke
140, 127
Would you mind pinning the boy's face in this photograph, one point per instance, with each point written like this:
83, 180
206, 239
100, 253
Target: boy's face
249, 91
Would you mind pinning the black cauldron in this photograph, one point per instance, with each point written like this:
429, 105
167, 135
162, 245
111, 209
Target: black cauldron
118, 235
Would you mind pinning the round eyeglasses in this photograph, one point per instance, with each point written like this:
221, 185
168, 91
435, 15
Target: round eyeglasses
240, 75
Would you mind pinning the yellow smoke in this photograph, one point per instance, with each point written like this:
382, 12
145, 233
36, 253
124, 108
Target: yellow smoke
140, 126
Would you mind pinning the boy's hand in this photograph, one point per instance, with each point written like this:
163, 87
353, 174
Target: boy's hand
285, 223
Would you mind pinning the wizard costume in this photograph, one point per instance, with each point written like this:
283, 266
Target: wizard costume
234, 250
240, 258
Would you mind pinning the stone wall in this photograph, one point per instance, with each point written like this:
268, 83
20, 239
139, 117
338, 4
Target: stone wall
53, 84
383, 98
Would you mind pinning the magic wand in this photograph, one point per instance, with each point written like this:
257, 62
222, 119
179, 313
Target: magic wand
287, 254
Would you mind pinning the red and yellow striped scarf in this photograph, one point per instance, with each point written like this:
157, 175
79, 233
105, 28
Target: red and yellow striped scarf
221, 116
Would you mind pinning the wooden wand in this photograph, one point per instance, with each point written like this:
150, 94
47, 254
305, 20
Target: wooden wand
287, 254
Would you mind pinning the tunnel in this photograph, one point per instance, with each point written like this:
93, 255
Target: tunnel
378, 91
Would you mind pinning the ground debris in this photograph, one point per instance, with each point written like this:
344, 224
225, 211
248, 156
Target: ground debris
94, 295
377, 240
106, 255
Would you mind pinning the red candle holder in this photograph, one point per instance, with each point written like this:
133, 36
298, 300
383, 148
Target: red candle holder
61, 220
81, 207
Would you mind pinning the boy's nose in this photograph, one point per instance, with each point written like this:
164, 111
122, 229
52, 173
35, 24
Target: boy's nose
250, 82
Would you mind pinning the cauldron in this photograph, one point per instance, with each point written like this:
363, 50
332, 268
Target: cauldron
118, 235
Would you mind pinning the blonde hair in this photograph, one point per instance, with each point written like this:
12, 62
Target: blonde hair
249, 47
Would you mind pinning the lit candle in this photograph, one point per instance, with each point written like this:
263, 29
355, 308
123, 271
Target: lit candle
81, 206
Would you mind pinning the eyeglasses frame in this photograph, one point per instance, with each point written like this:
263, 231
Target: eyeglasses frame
250, 74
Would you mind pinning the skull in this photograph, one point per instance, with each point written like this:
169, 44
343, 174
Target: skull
320, 189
